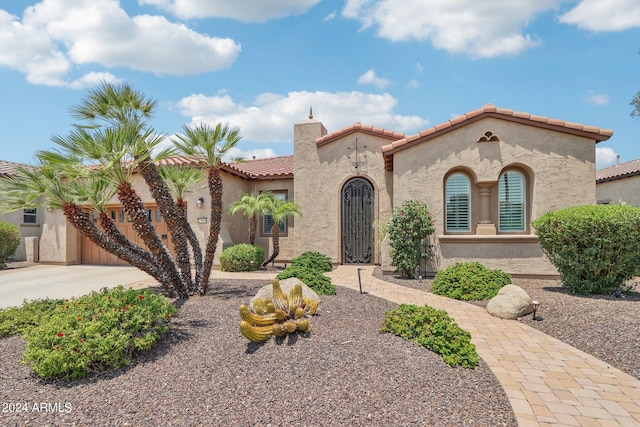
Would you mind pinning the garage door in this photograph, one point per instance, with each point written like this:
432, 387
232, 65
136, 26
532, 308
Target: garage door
92, 254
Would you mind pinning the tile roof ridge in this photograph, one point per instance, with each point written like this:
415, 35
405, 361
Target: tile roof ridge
358, 126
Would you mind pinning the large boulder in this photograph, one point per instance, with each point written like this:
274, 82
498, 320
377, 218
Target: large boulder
511, 302
286, 285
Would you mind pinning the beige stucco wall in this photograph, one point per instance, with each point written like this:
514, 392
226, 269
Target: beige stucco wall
559, 168
625, 190
320, 174
26, 230
60, 242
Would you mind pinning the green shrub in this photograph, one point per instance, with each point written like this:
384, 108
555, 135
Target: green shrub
409, 230
317, 281
242, 257
100, 330
9, 241
314, 261
16, 320
469, 281
595, 248
433, 329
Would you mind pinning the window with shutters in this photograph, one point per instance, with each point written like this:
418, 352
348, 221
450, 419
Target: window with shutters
511, 201
458, 203
30, 216
267, 220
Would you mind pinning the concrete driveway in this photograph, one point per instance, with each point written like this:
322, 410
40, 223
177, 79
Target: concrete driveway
54, 281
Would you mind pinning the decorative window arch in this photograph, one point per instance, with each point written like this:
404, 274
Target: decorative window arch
458, 203
512, 201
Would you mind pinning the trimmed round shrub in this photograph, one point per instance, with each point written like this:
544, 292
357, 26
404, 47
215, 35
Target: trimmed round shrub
242, 257
314, 279
433, 329
94, 332
469, 281
314, 261
9, 241
595, 248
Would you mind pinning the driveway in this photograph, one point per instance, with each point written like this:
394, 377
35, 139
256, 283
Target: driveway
54, 281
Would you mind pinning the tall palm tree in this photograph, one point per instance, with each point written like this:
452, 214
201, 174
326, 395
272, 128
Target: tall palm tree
279, 211
209, 145
251, 205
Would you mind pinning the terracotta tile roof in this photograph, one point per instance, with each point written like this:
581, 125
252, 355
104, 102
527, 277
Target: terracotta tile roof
490, 110
357, 127
268, 168
9, 168
619, 171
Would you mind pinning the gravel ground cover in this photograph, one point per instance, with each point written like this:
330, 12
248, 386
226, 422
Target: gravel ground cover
206, 373
603, 326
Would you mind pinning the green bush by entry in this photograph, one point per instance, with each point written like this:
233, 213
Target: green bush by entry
313, 260
242, 257
433, 329
595, 248
9, 241
69, 338
469, 281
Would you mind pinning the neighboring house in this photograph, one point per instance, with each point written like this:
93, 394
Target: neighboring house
484, 175
29, 221
619, 183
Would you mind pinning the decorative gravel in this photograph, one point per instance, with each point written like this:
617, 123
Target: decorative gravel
603, 326
205, 373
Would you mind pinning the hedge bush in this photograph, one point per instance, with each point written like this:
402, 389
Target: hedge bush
409, 230
242, 257
595, 248
313, 260
433, 329
94, 332
469, 281
9, 241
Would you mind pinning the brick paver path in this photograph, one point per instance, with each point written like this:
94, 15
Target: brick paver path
548, 382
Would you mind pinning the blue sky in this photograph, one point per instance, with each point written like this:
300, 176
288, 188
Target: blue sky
403, 65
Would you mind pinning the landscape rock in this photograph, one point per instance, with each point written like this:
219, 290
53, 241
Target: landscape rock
511, 302
286, 285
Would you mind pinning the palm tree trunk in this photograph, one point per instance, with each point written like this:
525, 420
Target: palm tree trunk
253, 227
137, 214
79, 219
175, 219
275, 239
215, 191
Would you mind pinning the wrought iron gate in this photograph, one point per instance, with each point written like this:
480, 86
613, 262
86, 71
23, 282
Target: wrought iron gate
357, 222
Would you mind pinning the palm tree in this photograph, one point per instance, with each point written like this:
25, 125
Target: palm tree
209, 145
279, 211
251, 205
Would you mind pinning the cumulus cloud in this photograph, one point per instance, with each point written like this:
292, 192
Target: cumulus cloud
597, 98
270, 117
370, 78
605, 157
246, 11
604, 15
481, 29
53, 35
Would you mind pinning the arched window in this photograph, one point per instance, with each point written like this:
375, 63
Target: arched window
458, 203
511, 200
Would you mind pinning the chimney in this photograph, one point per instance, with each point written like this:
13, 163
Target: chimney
618, 159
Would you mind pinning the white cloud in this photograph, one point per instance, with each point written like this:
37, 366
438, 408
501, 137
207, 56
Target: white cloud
53, 35
270, 118
413, 84
370, 78
597, 98
260, 153
331, 16
604, 15
246, 10
481, 29
605, 157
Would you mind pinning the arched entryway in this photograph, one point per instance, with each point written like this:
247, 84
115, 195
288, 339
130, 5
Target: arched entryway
357, 222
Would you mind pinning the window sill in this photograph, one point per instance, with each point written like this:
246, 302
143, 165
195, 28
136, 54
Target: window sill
24, 224
497, 238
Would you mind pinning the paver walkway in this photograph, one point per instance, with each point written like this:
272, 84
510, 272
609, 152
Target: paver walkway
548, 382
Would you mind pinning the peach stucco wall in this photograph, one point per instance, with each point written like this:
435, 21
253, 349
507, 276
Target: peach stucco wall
625, 190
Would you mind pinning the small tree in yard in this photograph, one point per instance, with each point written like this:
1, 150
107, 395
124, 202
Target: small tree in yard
9, 241
409, 231
251, 205
279, 211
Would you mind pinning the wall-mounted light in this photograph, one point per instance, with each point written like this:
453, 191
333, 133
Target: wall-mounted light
200, 202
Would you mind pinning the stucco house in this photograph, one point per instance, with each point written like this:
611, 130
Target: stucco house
29, 221
619, 183
484, 175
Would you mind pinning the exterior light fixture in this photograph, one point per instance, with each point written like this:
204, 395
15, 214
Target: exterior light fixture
359, 279
535, 305
200, 202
